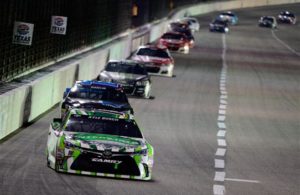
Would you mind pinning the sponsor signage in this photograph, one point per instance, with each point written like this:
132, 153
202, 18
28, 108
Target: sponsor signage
58, 25
23, 33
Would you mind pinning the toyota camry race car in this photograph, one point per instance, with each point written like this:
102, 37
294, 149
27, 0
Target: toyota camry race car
99, 143
219, 26
267, 21
132, 75
229, 17
175, 41
287, 17
158, 61
95, 94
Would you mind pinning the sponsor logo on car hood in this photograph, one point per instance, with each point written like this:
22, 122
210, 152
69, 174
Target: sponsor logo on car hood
123, 76
152, 59
102, 142
112, 104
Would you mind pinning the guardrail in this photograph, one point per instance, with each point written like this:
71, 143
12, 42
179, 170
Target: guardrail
27, 102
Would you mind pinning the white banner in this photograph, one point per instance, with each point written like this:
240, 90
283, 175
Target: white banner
23, 33
58, 25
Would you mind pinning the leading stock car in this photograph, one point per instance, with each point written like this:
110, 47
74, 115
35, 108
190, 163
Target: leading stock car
99, 143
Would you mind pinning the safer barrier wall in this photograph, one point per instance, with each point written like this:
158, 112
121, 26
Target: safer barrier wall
228, 5
26, 103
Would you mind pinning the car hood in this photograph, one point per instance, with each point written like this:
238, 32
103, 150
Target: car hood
118, 76
104, 103
173, 41
151, 59
103, 142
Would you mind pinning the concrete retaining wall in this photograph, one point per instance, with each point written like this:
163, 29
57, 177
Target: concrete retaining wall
26, 103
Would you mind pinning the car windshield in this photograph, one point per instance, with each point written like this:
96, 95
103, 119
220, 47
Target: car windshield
268, 19
186, 32
153, 52
103, 125
173, 36
288, 14
228, 14
103, 93
126, 68
219, 22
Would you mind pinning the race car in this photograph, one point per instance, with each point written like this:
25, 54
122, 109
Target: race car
99, 143
218, 26
192, 23
158, 60
132, 75
229, 17
95, 94
287, 17
174, 26
183, 28
267, 21
175, 41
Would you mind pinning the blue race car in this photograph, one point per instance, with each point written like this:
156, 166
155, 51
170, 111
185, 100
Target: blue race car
219, 26
95, 95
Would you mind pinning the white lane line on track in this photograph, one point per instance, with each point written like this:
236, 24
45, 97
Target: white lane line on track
223, 102
242, 180
223, 97
219, 189
220, 152
222, 88
223, 107
221, 125
223, 92
221, 133
284, 44
219, 176
221, 118
222, 112
219, 164
222, 142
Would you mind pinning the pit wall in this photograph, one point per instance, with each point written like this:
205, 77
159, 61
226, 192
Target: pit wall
26, 103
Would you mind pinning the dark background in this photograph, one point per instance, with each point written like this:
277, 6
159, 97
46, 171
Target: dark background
89, 21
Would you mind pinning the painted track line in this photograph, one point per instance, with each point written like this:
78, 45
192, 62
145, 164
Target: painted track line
242, 180
284, 44
219, 187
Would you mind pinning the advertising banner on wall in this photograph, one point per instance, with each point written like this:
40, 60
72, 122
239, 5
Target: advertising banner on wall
23, 33
58, 25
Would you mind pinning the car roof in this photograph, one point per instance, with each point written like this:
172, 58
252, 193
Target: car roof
174, 33
100, 113
95, 84
152, 47
127, 62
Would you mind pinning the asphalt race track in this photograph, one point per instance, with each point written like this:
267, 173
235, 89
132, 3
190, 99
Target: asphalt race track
245, 84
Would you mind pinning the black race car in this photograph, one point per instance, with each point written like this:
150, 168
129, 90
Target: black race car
287, 17
95, 95
132, 75
267, 21
219, 26
183, 29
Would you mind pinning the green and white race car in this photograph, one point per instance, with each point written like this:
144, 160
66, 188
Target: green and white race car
99, 143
